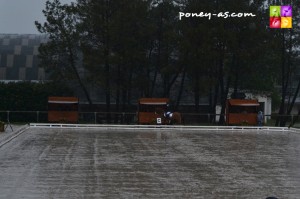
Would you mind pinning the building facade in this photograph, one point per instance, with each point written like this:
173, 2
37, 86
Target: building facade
19, 57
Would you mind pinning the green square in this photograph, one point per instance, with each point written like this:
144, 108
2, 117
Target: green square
275, 11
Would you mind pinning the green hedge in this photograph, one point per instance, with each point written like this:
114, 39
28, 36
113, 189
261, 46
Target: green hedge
28, 96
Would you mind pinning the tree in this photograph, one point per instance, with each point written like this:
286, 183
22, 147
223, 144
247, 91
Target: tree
164, 15
140, 48
289, 57
60, 54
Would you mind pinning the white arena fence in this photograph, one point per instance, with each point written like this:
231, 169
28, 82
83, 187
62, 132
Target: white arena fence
159, 127
202, 119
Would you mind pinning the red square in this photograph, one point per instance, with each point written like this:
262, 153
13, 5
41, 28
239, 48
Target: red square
275, 22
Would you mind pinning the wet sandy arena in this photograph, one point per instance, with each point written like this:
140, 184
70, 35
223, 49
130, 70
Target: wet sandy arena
56, 163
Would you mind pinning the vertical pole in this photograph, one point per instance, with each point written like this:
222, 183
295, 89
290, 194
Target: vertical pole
8, 122
37, 116
7, 116
95, 115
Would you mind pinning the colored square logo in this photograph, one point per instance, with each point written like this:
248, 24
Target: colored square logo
281, 16
275, 11
275, 22
286, 11
286, 22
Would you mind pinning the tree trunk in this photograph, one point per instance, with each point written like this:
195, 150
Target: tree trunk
197, 92
214, 103
180, 89
118, 93
85, 91
288, 81
223, 102
73, 65
236, 75
292, 104
283, 83
107, 66
158, 65
222, 89
148, 90
295, 119
107, 86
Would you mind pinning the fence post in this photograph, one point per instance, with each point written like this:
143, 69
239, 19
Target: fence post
37, 116
7, 116
95, 115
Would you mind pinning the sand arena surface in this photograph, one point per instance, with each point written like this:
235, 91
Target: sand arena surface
91, 163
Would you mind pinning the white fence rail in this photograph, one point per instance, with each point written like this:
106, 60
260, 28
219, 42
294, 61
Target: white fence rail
157, 127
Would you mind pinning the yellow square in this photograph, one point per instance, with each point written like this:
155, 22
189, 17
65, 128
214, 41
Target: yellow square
286, 22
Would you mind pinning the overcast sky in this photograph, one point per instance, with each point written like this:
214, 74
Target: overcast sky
18, 16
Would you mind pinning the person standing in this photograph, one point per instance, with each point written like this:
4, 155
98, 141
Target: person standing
260, 118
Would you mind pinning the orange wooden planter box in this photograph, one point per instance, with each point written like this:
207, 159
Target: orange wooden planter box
150, 109
241, 112
63, 109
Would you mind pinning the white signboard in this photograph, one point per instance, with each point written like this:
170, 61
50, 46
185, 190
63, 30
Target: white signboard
158, 120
